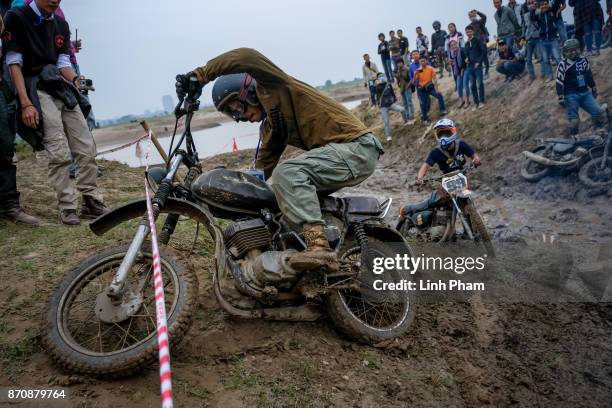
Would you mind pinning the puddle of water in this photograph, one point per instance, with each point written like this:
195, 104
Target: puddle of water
209, 142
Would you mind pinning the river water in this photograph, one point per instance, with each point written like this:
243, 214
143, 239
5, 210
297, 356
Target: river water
209, 142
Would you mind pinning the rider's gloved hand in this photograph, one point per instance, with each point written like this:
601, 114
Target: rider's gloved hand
476, 162
183, 82
594, 92
561, 100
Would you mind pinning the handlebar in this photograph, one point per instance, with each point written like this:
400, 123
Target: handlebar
452, 173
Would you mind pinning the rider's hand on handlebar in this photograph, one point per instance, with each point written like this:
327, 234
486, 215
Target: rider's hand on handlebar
183, 83
419, 182
476, 162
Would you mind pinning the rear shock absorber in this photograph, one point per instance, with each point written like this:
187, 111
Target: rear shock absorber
361, 237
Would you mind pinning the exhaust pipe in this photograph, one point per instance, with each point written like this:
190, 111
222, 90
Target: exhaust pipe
548, 162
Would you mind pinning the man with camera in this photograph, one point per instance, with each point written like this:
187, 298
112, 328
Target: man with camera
51, 108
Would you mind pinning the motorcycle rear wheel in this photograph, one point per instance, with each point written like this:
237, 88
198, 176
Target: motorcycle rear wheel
80, 342
532, 171
593, 177
367, 315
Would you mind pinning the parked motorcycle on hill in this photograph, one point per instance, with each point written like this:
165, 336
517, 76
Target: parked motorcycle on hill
101, 318
566, 154
435, 219
597, 172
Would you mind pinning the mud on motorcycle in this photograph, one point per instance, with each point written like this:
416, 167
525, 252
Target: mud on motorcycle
101, 320
563, 154
435, 219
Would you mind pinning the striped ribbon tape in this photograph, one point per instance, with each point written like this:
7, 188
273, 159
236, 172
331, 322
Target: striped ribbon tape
163, 343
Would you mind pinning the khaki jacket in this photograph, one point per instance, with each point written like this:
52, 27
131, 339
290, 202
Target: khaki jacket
297, 114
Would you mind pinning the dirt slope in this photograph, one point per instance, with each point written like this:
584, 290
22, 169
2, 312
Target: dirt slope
457, 354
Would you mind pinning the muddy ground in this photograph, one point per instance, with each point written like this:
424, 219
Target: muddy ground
456, 354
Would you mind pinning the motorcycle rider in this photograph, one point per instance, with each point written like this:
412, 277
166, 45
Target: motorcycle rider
450, 155
438, 44
340, 150
576, 86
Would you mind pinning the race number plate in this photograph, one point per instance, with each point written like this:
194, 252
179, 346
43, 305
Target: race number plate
455, 184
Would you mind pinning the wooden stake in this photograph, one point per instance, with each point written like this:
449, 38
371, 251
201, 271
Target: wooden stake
158, 146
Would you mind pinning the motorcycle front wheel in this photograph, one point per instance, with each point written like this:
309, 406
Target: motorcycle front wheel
121, 340
479, 229
532, 171
366, 314
593, 176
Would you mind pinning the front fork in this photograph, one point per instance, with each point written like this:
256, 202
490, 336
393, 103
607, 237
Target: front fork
461, 216
117, 286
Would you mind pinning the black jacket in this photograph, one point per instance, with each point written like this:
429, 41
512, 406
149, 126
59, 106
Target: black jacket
438, 40
50, 81
567, 76
475, 51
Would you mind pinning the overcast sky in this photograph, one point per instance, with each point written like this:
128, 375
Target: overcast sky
133, 49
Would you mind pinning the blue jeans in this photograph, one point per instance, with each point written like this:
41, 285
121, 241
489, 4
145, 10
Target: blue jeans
511, 69
509, 39
531, 47
386, 63
372, 89
561, 30
426, 103
550, 48
473, 80
586, 101
385, 115
408, 105
593, 29
459, 84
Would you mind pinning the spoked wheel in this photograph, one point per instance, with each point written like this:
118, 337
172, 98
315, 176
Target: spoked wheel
88, 333
479, 229
366, 314
592, 175
533, 171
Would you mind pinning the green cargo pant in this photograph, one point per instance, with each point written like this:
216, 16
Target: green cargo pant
326, 169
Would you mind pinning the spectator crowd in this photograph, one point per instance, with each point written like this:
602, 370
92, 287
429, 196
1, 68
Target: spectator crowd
528, 33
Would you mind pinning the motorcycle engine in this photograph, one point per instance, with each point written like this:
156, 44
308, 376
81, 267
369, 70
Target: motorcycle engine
242, 237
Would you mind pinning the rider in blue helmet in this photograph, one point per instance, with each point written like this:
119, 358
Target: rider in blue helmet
450, 155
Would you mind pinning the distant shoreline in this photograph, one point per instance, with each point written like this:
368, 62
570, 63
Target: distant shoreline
164, 126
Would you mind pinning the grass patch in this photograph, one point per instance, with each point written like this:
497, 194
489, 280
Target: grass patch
291, 387
15, 354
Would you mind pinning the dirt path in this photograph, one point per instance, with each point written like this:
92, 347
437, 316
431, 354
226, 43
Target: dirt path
459, 354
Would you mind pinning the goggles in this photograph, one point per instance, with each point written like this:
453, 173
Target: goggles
235, 109
442, 132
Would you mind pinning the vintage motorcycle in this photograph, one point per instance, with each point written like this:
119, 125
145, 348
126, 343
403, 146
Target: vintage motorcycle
435, 219
567, 155
101, 318
597, 172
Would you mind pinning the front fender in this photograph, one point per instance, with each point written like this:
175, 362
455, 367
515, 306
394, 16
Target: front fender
385, 233
136, 209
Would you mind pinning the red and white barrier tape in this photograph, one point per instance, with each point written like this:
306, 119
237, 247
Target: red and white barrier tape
163, 341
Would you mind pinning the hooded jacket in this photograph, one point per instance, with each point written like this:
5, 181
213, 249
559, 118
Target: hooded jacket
297, 114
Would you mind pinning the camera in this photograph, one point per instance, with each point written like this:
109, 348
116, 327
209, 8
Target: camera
86, 84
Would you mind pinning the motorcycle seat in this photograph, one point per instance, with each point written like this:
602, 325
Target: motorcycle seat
363, 205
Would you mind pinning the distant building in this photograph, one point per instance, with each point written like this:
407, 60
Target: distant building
168, 103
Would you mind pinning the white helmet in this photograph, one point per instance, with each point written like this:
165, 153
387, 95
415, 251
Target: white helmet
445, 131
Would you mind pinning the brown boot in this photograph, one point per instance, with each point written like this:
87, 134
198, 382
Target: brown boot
69, 217
317, 253
18, 216
92, 208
